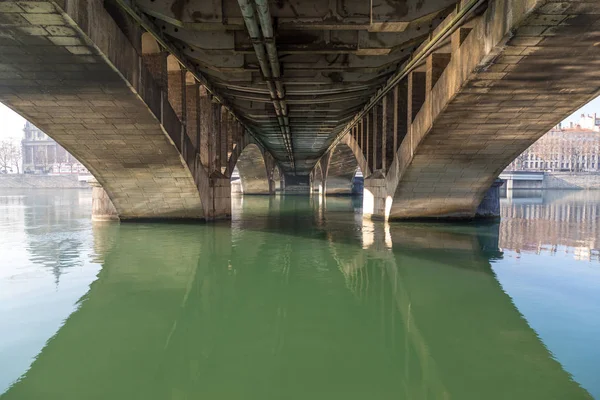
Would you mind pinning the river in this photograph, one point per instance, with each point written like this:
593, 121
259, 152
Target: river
299, 298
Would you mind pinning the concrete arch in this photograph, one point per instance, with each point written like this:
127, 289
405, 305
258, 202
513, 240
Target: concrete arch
317, 182
345, 159
106, 111
253, 171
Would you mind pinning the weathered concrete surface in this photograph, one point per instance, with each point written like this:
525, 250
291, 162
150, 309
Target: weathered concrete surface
344, 161
523, 67
102, 207
443, 133
256, 168
490, 204
73, 73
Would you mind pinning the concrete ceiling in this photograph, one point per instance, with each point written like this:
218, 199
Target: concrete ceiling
332, 56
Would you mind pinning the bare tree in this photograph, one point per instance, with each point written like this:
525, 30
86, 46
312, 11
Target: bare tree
10, 156
16, 158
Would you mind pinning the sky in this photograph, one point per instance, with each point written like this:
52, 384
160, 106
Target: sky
11, 123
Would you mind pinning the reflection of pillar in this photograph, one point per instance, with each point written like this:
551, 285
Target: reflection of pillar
490, 205
102, 207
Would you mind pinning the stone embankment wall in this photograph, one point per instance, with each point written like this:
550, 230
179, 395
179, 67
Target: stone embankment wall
41, 182
567, 180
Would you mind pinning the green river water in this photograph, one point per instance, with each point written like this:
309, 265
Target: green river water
299, 298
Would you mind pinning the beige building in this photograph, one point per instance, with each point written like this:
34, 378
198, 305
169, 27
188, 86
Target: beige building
42, 155
574, 148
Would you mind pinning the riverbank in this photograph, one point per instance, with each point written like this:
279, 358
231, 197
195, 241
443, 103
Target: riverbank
571, 180
24, 181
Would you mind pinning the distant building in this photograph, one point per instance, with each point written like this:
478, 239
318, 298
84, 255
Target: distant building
42, 155
575, 148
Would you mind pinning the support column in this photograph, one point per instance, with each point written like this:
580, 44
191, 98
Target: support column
102, 207
214, 144
205, 105
376, 204
157, 65
230, 135
220, 198
223, 139
193, 117
368, 139
490, 205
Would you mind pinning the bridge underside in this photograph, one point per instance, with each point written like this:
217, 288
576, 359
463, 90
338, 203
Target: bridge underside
495, 98
158, 98
73, 80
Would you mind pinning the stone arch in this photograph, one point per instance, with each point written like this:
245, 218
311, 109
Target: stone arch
317, 183
250, 163
344, 161
110, 118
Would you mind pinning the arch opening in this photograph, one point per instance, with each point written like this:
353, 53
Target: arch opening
342, 172
251, 171
317, 185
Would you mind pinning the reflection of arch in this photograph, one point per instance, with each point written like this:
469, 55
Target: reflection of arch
252, 170
345, 159
316, 183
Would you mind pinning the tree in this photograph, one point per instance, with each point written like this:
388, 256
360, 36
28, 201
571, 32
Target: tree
10, 155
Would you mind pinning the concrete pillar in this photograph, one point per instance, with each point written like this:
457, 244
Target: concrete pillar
490, 205
220, 199
214, 143
223, 127
193, 111
376, 204
157, 66
102, 207
205, 109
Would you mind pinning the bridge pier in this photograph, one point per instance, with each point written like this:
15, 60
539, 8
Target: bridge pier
490, 205
219, 198
102, 207
375, 198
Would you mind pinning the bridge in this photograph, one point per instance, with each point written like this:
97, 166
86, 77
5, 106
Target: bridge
162, 99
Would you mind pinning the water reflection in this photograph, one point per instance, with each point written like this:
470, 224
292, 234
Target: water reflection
296, 298
552, 221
